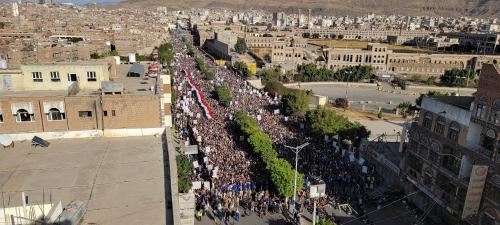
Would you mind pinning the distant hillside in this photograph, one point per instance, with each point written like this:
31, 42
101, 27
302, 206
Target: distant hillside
479, 8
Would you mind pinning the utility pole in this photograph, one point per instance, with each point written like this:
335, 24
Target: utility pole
296, 150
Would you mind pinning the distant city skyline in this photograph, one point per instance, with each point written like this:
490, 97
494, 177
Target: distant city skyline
88, 1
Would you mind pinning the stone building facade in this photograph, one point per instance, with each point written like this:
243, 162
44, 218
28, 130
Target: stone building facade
453, 139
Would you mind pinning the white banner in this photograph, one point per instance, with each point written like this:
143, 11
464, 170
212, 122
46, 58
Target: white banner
475, 190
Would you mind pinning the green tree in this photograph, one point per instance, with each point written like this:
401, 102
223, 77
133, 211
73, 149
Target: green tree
416, 78
223, 95
269, 75
184, 168
354, 132
430, 81
315, 36
324, 121
275, 88
165, 53
241, 68
340, 36
326, 222
282, 174
295, 102
455, 77
306, 35
240, 46
95, 55
405, 108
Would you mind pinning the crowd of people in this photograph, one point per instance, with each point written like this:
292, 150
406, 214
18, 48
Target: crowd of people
233, 172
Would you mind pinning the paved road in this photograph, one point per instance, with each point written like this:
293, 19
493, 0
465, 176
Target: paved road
378, 98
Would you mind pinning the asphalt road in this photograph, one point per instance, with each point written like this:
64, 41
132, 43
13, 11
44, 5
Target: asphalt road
374, 97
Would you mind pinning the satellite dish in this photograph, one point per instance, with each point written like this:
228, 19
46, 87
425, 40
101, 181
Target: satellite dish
5, 140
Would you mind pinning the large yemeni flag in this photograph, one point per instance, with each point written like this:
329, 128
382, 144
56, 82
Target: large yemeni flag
199, 96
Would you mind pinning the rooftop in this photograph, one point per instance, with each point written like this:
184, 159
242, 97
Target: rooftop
121, 180
463, 102
131, 85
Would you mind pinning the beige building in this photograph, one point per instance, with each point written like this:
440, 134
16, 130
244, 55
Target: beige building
57, 76
108, 102
375, 56
380, 58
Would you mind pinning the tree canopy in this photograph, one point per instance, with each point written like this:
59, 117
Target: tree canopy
241, 68
295, 102
324, 121
166, 53
326, 222
223, 95
240, 46
310, 72
184, 168
280, 170
455, 77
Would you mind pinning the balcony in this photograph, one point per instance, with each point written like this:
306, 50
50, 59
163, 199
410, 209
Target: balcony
484, 151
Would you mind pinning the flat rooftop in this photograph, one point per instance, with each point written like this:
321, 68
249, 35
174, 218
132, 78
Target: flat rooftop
120, 179
463, 102
131, 85
134, 85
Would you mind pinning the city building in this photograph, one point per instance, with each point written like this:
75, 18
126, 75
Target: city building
65, 100
452, 160
480, 43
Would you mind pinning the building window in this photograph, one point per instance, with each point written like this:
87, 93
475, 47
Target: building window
488, 140
433, 156
22, 115
113, 112
451, 160
495, 113
453, 132
1, 118
91, 76
479, 111
440, 125
54, 115
428, 179
54, 76
415, 163
37, 76
85, 114
72, 77
427, 123
105, 113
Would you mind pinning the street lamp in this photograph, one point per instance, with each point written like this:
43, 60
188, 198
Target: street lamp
296, 150
317, 189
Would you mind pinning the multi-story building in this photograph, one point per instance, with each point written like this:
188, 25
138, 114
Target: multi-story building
375, 56
452, 160
82, 100
359, 34
405, 64
288, 52
480, 43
